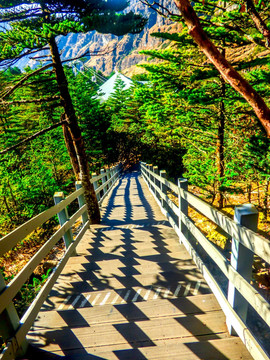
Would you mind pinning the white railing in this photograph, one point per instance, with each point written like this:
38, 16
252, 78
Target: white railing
245, 244
13, 330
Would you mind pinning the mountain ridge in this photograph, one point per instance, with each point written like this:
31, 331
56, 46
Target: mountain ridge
121, 53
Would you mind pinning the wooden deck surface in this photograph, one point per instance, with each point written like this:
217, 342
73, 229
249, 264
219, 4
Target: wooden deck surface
132, 293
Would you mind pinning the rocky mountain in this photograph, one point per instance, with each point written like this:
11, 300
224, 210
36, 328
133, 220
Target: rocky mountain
121, 53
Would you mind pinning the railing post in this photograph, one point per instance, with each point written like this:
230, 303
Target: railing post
95, 185
155, 170
163, 174
113, 174
242, 260
183, 207
81, 201
63, 218
109, 172
150, 176
9, 323
103, 179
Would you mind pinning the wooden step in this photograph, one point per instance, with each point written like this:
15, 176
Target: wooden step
69, 299
87, 282
218, 349
66, 314
135, 333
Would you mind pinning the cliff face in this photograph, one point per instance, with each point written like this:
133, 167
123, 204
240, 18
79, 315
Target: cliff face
117, 53
109, 52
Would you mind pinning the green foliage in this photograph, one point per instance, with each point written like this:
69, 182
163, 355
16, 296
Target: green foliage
28, 291
187, 108
93, 118
32, 173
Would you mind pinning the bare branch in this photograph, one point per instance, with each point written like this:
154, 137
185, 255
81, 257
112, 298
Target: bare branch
154, 5
32, 137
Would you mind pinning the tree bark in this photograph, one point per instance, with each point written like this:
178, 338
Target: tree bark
223, 66
220, 145
71, 150
89, 193
258, 21
265, 200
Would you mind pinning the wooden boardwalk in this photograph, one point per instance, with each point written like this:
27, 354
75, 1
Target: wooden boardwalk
132, 293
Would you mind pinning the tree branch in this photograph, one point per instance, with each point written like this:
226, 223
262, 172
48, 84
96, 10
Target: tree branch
33, 101
25, 78
223, 66
105, 51
258, 21
32, 137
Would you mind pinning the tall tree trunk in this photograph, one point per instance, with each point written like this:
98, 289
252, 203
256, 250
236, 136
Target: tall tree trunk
258, 21
265, 200
89, 193
223, 66
220, 143
71, 150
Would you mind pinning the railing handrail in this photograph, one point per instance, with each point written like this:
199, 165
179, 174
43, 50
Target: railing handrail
20, 327
248, 238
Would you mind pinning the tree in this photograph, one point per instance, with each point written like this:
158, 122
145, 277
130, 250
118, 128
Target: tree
210, 120
228, 72
34, 25
31, 173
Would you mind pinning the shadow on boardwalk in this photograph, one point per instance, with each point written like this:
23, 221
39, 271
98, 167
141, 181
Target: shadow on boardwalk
133, 293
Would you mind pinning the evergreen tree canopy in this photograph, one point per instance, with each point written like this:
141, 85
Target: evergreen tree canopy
29, 26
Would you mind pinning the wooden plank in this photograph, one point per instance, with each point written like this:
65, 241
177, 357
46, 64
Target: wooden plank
133, 333
101, 187
11, 239
118, 313
173, 349
74, 282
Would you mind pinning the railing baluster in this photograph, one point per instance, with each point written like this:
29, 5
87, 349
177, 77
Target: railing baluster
109, 178
242, 260
150, 167
155, 170
103, 180
164, 188
95, 185
63, 218
81, 201
183, 207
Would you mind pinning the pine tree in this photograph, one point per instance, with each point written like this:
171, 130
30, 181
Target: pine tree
36, 25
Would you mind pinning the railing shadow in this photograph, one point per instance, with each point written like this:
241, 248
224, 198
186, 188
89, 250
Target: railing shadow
126, 267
